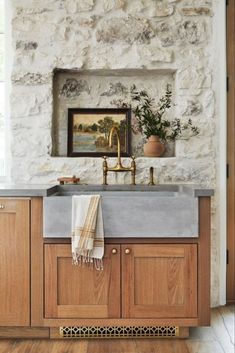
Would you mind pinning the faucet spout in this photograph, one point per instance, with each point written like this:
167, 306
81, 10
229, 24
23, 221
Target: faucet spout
113, 131
118, 167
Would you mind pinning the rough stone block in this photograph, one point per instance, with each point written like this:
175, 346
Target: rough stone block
111, 5
193, 78
196, 147
115, 89
126, 29
162, 9
192, 108
31, 101
28, 11
84, 21
74, 6
72, 88
149, 53
196, 2
26, 45
196, 11
200, 171
192, 32
32, 78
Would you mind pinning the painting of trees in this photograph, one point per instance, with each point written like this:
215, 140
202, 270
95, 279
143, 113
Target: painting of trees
105, 125
90, 130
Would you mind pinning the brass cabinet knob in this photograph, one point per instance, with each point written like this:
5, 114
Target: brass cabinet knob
2, 206
114, 251
127, 251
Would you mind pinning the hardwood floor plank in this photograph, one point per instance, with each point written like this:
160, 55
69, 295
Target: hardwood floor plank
143, 346
41, 346
161, 345
22, 346
79, 347
112, 346
69, 346
180, 346
6, 346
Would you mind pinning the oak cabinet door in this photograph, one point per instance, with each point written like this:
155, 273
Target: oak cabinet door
81, 292
14, 262
159, 281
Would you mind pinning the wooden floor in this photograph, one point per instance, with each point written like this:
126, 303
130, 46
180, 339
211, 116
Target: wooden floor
219, 338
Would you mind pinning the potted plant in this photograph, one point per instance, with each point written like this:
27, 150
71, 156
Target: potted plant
151, 122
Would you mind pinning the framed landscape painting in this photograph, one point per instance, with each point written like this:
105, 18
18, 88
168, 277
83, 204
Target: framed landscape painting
88, 132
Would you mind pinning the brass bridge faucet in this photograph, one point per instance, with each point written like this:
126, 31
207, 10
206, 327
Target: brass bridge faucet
118, 167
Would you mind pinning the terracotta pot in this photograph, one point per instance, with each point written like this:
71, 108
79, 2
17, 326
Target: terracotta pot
154, 147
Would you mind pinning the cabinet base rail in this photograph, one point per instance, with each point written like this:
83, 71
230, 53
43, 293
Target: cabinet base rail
86, 332
89, 332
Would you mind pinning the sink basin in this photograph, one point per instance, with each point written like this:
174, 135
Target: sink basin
166, 189
128, 211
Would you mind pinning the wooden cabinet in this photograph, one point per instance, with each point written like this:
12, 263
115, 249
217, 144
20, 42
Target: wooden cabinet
14, 262
145, 280
72, 291
159, 280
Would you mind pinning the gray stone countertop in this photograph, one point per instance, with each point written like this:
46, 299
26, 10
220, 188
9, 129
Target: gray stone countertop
30, 190
26, 190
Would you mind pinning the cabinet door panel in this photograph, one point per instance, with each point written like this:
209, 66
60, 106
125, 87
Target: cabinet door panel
81, 292
14, 263
159, 281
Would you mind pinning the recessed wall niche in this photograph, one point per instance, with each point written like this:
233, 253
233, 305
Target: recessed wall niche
103, 89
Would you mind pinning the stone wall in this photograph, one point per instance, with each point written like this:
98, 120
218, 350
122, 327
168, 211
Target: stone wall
172, 37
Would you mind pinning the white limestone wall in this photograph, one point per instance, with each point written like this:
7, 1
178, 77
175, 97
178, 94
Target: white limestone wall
171, 37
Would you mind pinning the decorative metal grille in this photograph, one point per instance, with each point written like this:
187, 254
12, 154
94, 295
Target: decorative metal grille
118, 332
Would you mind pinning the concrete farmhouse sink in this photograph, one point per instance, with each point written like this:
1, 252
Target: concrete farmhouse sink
128, 211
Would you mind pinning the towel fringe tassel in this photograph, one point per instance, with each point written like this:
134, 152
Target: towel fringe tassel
86, 259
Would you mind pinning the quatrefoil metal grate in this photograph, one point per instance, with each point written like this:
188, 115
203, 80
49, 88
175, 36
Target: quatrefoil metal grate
118, 332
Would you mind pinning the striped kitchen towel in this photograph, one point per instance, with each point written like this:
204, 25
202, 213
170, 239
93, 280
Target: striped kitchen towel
87, 230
